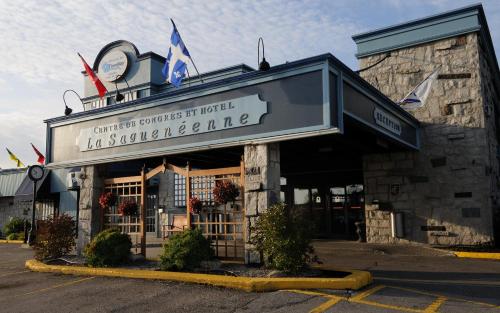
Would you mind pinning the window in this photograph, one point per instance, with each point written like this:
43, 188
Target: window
179, 190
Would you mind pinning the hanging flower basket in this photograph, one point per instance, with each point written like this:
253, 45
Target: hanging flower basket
225, 191
128, 207
106, 200
195, 205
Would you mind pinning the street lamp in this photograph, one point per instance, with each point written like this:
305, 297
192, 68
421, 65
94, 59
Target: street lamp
119, 97
264, 65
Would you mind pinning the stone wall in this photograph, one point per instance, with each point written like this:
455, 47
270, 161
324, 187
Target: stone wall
445, 190
89, 223
262, 188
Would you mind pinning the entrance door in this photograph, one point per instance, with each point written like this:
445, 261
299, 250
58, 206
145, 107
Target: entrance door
151, 219
347, 208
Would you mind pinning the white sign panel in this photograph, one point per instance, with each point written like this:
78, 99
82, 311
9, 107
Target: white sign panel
387, 121
113, 65
233, 113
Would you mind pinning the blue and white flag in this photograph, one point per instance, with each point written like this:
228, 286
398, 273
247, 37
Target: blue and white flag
417, 97
177, 59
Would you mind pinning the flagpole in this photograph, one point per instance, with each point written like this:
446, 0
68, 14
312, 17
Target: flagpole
190, 57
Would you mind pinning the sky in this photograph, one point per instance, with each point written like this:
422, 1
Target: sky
40, 39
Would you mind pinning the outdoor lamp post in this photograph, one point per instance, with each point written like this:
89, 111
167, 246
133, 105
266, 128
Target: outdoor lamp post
35, 173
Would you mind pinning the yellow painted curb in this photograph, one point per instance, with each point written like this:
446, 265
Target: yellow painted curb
478, 255
11, 241
354, 281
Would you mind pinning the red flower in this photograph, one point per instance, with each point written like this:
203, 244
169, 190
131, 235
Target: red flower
107, 199
225, 191
128, 207
195, 205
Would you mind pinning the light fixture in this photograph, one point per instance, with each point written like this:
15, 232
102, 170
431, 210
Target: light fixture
119, 97
68, 110
264, 65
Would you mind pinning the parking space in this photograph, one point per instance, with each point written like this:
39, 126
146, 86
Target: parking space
24, 291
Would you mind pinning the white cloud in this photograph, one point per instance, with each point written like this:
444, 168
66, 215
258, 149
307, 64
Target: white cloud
40, 40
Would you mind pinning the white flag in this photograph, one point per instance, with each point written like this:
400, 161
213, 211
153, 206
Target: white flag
416, 98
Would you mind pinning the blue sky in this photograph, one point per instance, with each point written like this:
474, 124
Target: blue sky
40, 39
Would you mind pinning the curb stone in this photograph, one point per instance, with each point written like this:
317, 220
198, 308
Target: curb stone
353, 281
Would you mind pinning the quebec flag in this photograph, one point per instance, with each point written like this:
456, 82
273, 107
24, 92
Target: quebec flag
177, 59
417, 97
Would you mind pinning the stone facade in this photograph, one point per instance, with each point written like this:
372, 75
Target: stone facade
262, 188
448, 190
89, 222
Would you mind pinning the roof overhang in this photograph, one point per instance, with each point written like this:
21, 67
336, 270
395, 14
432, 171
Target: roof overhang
294, 100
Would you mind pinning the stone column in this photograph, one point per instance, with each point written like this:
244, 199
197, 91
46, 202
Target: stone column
89, 222
262, 188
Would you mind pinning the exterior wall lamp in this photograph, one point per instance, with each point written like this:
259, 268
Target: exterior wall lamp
68, 110
119, 96
264, 65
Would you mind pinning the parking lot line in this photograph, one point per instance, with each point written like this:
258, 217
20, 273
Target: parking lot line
366, 293
13, 273
386, 306
433, 281
325, 306
57, 286
448, 298
434, 306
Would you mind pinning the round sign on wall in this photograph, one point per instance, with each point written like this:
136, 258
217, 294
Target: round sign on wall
113, 65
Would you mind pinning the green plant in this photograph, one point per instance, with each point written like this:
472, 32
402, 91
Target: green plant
15, 225
284, 239
12, 236
110, 247
185, 251
55, 237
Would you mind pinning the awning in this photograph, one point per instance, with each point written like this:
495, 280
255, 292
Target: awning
25, 190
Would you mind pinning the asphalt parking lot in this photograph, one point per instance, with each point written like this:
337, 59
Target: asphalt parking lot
397, 288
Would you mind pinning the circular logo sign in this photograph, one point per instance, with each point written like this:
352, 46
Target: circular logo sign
113, 65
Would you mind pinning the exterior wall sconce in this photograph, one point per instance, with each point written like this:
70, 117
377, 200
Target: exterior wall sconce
119, 96
264, 65
68, 110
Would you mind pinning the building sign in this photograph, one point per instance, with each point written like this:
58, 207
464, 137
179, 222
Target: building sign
113, 65
233, 113
388, 122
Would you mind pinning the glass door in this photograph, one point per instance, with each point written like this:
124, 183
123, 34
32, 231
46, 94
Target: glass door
337, 207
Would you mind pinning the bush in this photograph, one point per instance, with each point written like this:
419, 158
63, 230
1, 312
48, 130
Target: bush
15, 236
14, 226
110, 247
55, 237
283, 239
185, 251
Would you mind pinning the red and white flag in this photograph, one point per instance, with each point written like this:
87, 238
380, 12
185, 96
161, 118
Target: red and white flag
41, 157
93, 77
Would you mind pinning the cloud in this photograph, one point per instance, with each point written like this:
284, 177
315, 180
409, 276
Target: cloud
40, 39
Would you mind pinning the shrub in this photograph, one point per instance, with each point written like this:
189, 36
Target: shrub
283, 239
110, 247
13, 236
185, 251
55, 237
14, 226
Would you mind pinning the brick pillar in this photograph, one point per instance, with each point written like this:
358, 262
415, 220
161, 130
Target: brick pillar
89, 222
262, 188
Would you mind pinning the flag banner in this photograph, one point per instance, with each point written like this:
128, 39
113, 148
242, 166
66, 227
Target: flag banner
93, 77
417, 97
41, 157
177, 59
15, 159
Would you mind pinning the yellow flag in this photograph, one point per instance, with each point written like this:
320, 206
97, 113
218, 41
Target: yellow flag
15, 159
